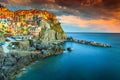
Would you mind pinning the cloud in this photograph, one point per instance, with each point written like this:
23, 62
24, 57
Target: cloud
96, 14
38, 2
78, 3
51, 1
70, 19
17, 2
111, 25
110, 4
89, 3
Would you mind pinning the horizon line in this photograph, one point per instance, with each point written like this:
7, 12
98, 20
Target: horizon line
92, 32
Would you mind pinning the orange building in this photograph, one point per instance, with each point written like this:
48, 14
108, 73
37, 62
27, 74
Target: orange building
6, 12
11, 29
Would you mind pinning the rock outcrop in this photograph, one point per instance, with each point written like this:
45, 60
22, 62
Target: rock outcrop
34, 16
11, 64
49, 18
93, 43
29, 51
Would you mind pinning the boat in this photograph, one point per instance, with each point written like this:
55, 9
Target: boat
69, 49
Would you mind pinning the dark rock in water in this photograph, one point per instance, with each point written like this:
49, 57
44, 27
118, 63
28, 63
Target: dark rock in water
89, 42
1, 76
70, 38
69, 49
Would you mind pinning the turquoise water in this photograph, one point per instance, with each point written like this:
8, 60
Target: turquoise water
83, 63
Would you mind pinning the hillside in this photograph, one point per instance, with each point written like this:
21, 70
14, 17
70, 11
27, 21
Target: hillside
22, 16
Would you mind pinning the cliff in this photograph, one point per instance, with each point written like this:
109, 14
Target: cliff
46, 16
44, 27
32, 15
12, 64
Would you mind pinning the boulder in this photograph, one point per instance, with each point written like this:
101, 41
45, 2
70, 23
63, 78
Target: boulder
10, 61
50, 35
2, 76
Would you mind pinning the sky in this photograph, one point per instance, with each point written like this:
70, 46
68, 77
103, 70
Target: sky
77, 15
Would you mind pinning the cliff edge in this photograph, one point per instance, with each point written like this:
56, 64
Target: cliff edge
34, 22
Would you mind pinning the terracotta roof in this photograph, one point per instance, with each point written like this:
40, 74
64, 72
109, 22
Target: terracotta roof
4, 16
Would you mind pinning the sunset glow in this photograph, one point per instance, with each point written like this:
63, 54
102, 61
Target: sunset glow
90, 15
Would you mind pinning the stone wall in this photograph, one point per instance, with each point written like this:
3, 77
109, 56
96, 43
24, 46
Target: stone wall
25, 37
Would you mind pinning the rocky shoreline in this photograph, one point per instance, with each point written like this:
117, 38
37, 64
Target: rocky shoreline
12, 63
92, 43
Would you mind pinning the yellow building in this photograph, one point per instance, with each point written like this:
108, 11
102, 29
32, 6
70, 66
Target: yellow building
23, 15
1, 25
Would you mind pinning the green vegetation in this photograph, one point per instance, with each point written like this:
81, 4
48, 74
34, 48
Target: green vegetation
1, 36
55, 25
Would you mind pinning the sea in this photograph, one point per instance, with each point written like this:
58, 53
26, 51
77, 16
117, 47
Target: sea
84, 62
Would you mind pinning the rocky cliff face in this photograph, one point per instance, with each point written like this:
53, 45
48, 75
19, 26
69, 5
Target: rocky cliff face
56, 30
51, 34
11, 64
55, 25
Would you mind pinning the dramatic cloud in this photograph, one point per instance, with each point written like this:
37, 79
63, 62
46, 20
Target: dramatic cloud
78, 3
111, 25
51, 1
98, 15
111, 3
17, 2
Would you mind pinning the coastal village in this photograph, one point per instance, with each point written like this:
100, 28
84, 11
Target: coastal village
30, 35
27, 36
25, 25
